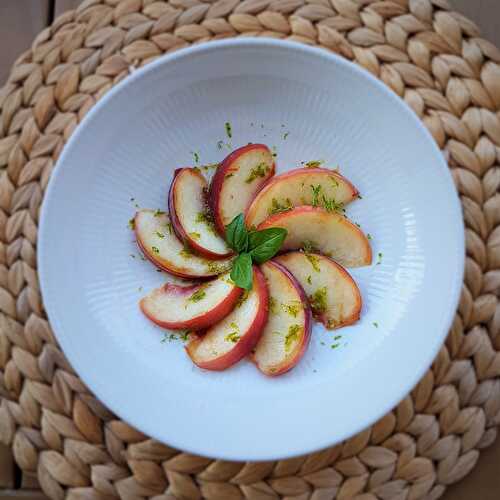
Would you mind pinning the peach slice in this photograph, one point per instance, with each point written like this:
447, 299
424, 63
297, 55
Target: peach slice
303, 186
237, 180
156, 238
189, 214
288, 329
329, 233
230, 340
334, 296
193, 307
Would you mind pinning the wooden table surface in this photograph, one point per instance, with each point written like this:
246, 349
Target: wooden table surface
20, 22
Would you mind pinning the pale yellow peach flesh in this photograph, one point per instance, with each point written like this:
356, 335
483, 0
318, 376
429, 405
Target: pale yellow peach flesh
334, 296
193, 307
237, 180
288, 329
233, 338
156, 238
325, 232
302, 186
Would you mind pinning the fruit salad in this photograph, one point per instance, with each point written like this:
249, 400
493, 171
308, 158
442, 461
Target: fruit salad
267, 254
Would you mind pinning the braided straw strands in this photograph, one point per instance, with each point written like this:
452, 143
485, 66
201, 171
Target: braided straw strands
430, 56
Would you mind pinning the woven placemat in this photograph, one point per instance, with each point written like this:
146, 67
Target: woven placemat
430, 56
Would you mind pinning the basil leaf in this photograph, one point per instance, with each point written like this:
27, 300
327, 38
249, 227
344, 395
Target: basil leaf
242, 272
256, 238
265, 244
237, 234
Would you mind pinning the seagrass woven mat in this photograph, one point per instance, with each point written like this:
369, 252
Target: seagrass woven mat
431, 57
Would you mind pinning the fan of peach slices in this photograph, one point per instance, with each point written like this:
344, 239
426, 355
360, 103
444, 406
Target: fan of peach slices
264, 254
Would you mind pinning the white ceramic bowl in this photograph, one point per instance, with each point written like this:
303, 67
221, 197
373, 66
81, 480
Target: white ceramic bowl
128, 146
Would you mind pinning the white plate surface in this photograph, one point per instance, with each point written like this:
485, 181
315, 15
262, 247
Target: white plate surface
128, 147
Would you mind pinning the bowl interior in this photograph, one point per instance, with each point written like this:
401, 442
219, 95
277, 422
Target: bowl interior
309, 105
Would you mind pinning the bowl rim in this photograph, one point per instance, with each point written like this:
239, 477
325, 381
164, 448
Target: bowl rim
362, 422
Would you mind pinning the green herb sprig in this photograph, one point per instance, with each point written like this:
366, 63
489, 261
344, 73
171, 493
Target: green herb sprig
251, 246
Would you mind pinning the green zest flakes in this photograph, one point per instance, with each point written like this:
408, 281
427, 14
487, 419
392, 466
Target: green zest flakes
206, 218
316, 191
309, 280
220, 144
186, 253
318, 300
214, 268
285, 135
131, 223
155, 249
160, 235
168, 337
292, 336
314, 262
260, 170
169, 227
196, 156
203, 217
291, 309
158, 212
243, 298
379, 258
279, 207
185, 335
308, 246
228, 176
319, 200
198, 295
369, 236
229, 130
273, 306
375, 324
331, 205
195, 235
232, 337
314, 164
334, 346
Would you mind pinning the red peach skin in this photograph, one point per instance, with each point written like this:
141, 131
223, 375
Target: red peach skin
170, 306
212, 349
342, 298
230, 192
328, 233
273, 356
159, 244
186, 200
293, 188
